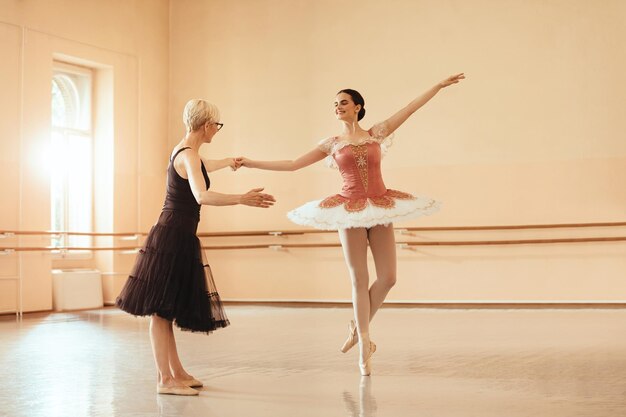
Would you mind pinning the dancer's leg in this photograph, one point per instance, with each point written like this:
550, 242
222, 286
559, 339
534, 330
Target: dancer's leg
174, 361
160, 339
383, 245
354, 243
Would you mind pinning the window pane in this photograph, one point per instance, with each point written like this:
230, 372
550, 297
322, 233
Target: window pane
59, 108
71, 100
57, 185
79, 188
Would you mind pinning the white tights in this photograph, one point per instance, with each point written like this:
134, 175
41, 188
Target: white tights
365, 299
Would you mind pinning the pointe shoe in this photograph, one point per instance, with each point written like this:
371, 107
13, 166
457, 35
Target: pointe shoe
366, 364
353, 338
178, 390
192, 383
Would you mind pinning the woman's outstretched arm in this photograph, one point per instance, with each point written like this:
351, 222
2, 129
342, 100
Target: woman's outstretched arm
400, 117
212, 165
253, 198
293, 165
191, 164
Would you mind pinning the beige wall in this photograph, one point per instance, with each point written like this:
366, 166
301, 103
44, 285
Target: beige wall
534, 135
127, 45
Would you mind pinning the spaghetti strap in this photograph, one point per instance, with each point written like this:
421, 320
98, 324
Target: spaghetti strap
177, 152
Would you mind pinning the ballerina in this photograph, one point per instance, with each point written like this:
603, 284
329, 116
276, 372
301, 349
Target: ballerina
364, 211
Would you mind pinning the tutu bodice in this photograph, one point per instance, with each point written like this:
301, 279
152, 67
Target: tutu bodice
359, 166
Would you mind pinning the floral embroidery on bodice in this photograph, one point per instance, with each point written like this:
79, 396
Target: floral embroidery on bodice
359, 166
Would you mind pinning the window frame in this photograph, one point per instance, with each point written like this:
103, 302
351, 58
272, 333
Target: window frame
60, 67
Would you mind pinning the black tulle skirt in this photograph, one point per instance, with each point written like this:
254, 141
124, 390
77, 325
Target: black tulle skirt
172, 279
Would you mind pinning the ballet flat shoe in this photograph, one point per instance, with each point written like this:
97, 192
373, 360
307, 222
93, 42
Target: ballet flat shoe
353, 337
192, 383
176, 391
366, 365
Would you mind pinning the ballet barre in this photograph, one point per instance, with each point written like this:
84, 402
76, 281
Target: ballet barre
512, 227
8, 248
276, 233
405, 230
11, 233
135, 236
401, 245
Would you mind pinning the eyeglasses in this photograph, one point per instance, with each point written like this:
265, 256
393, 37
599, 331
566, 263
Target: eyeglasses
219, 125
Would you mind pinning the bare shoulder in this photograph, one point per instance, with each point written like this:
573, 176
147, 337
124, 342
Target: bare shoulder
379, 130
184, 158
187, 154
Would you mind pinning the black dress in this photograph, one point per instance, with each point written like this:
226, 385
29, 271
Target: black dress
171, 277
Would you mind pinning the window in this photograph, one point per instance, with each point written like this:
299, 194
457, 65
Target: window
72, 154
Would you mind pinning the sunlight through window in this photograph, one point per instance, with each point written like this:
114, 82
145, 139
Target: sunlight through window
72, 154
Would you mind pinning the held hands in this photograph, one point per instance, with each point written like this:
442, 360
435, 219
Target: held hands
244, 162
241, 161
256, 198
236, 163
453, 79
233, 163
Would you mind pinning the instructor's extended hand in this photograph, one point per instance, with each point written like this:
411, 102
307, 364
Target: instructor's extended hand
256, 198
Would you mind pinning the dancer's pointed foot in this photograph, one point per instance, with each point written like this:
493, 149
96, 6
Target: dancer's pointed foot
353, 337
365, 359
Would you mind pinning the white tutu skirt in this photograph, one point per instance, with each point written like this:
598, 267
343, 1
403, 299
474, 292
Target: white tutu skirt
342, 213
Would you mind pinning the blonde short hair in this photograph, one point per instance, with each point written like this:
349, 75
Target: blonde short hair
197, 112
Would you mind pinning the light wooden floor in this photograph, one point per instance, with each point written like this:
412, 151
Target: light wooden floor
277, 361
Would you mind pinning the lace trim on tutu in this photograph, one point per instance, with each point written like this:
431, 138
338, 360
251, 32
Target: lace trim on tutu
378, 134
340, 214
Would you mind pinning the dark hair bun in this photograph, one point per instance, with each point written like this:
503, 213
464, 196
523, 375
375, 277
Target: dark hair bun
361, 114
